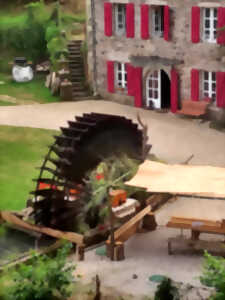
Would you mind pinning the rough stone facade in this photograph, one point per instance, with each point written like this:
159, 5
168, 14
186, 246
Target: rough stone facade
156, 53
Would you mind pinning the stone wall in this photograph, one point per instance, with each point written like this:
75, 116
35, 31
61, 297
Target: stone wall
180, 51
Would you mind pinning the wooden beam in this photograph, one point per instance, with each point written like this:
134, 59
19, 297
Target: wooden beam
70, 236
27, 257
123, 229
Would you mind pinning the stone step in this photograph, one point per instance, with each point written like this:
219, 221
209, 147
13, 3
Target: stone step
74, 48
76, 74
76, 62
77, 84
78, 89
79, 94
72, 43
76, 67
77, 79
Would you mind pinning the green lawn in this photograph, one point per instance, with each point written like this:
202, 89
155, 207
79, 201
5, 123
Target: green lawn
21, 150
34, 90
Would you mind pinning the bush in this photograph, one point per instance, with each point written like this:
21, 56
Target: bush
45, 278
166, 290
214, 275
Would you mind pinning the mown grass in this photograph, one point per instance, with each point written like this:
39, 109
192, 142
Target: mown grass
34, 90
21, 150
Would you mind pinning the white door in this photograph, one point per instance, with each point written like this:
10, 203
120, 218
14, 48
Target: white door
153, 89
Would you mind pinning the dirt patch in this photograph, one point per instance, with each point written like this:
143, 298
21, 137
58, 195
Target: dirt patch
16, 101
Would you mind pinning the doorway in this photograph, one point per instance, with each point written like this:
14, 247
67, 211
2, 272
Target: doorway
158, 90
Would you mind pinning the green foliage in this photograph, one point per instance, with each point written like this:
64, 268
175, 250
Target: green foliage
166, 291
111, 172
43, 279
31, 33
214, 275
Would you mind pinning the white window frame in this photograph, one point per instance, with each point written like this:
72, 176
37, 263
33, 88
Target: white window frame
154, 90
157, 17
209, 24
120, 69
120, 19
210, 81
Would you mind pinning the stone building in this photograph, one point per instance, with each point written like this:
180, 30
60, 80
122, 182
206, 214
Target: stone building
156, 53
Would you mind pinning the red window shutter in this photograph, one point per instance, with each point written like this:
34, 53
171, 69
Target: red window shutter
195, 24
138, 87
130, 79
166, 23
145, 21
220, 24
108, 18
195, 85
220, 89
130, 20
110, 76
174, 91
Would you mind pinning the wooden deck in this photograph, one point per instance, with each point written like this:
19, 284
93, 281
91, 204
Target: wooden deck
193, 108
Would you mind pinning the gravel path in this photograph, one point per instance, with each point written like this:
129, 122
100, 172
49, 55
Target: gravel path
173, 138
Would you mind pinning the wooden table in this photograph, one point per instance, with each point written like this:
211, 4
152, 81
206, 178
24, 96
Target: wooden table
197, 226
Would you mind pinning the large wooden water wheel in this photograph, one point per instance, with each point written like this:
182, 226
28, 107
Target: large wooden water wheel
80, 148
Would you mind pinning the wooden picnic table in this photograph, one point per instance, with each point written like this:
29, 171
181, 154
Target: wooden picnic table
197, 226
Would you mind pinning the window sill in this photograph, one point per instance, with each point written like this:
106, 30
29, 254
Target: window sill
121, 90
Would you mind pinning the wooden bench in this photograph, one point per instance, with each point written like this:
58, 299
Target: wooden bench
193, 108
197, 226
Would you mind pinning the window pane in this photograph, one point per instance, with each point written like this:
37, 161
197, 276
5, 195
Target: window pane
119, 84
206, 94
207, 23
215, 23
206, 75
119, 66
156, 94
206, 86
207, 12
119, 76
156, 84
215, 12
213, 76
150, 93
214, 87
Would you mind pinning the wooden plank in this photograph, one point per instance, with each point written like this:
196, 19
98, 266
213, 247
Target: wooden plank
25, 258
122, 230
70, 236
202, 228
190, 220
158, 200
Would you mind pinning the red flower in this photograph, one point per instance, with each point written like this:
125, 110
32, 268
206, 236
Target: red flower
99, 176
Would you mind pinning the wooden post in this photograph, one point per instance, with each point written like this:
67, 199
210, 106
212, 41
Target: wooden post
119, 251
80, 252
195, 235
149, 222
112, 238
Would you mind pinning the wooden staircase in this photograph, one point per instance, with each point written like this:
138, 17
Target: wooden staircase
76, 67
